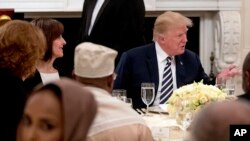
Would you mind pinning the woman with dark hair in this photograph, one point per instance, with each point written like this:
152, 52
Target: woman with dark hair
46, 71
246, 78
21, 46
59, 111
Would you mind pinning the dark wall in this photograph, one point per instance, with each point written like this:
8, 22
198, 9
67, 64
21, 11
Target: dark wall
194, 36
71, 35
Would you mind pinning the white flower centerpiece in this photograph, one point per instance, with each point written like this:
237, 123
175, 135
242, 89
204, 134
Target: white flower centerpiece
187, 100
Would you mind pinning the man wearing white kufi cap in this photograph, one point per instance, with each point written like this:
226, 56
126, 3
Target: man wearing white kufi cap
94, 61
115, 120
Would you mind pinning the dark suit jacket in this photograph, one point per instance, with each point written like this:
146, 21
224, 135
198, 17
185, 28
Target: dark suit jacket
140, 65
12, 102
119, 25
31, 82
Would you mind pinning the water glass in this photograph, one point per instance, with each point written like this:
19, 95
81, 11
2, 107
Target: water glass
230, 86
227, 86
221, 85
120, 94
129, 101
147, 94
229, 90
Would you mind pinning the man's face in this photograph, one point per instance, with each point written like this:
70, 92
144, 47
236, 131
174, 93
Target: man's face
175, 40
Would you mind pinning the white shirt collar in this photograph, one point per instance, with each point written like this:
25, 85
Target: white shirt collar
160, 53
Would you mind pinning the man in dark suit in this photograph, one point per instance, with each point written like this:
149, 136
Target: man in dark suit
118, 24
166, 63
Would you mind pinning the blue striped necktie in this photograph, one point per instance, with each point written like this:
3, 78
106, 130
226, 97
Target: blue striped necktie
167, 82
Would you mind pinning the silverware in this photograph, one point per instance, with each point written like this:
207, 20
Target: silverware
140, 111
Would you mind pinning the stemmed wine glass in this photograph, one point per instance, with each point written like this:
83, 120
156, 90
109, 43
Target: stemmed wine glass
147, 94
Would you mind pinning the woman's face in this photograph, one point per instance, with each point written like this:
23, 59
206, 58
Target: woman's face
42, 119
57, 45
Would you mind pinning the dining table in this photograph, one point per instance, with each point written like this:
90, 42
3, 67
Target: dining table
163, 127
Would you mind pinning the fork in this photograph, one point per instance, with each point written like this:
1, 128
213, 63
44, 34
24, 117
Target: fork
140, 112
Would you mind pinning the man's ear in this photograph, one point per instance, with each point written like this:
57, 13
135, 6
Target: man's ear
110, 83
161, 38
73, 75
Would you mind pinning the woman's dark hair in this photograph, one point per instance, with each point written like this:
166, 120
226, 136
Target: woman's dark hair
52, 29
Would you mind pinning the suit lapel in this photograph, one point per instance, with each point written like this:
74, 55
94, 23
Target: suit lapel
88, 9
101, 11
153, 65
180, 71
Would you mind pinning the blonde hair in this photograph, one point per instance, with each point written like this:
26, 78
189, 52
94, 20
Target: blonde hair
21, 46
170, 19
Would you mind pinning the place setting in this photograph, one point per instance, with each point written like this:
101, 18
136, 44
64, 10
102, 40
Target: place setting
162, 126
121, 94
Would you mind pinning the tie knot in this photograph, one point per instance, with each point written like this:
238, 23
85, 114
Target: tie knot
169, 59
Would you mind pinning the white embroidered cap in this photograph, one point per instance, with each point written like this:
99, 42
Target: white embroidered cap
93, 60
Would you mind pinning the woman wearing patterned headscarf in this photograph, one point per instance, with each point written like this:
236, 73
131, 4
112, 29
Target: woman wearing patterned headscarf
59, 111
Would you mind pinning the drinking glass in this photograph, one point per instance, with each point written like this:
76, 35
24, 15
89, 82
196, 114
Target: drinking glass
120, 94
147, 94
227, 86
129, 101
229, 90
221, 85
230, 86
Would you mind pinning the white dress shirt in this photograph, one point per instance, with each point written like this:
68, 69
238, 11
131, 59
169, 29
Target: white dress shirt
161, 60
97, 8
48, 77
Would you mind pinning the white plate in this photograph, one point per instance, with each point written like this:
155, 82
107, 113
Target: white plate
162, 108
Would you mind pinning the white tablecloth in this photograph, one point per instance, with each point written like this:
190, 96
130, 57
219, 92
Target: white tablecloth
164, 128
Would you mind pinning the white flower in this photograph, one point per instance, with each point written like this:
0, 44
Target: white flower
192, 97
